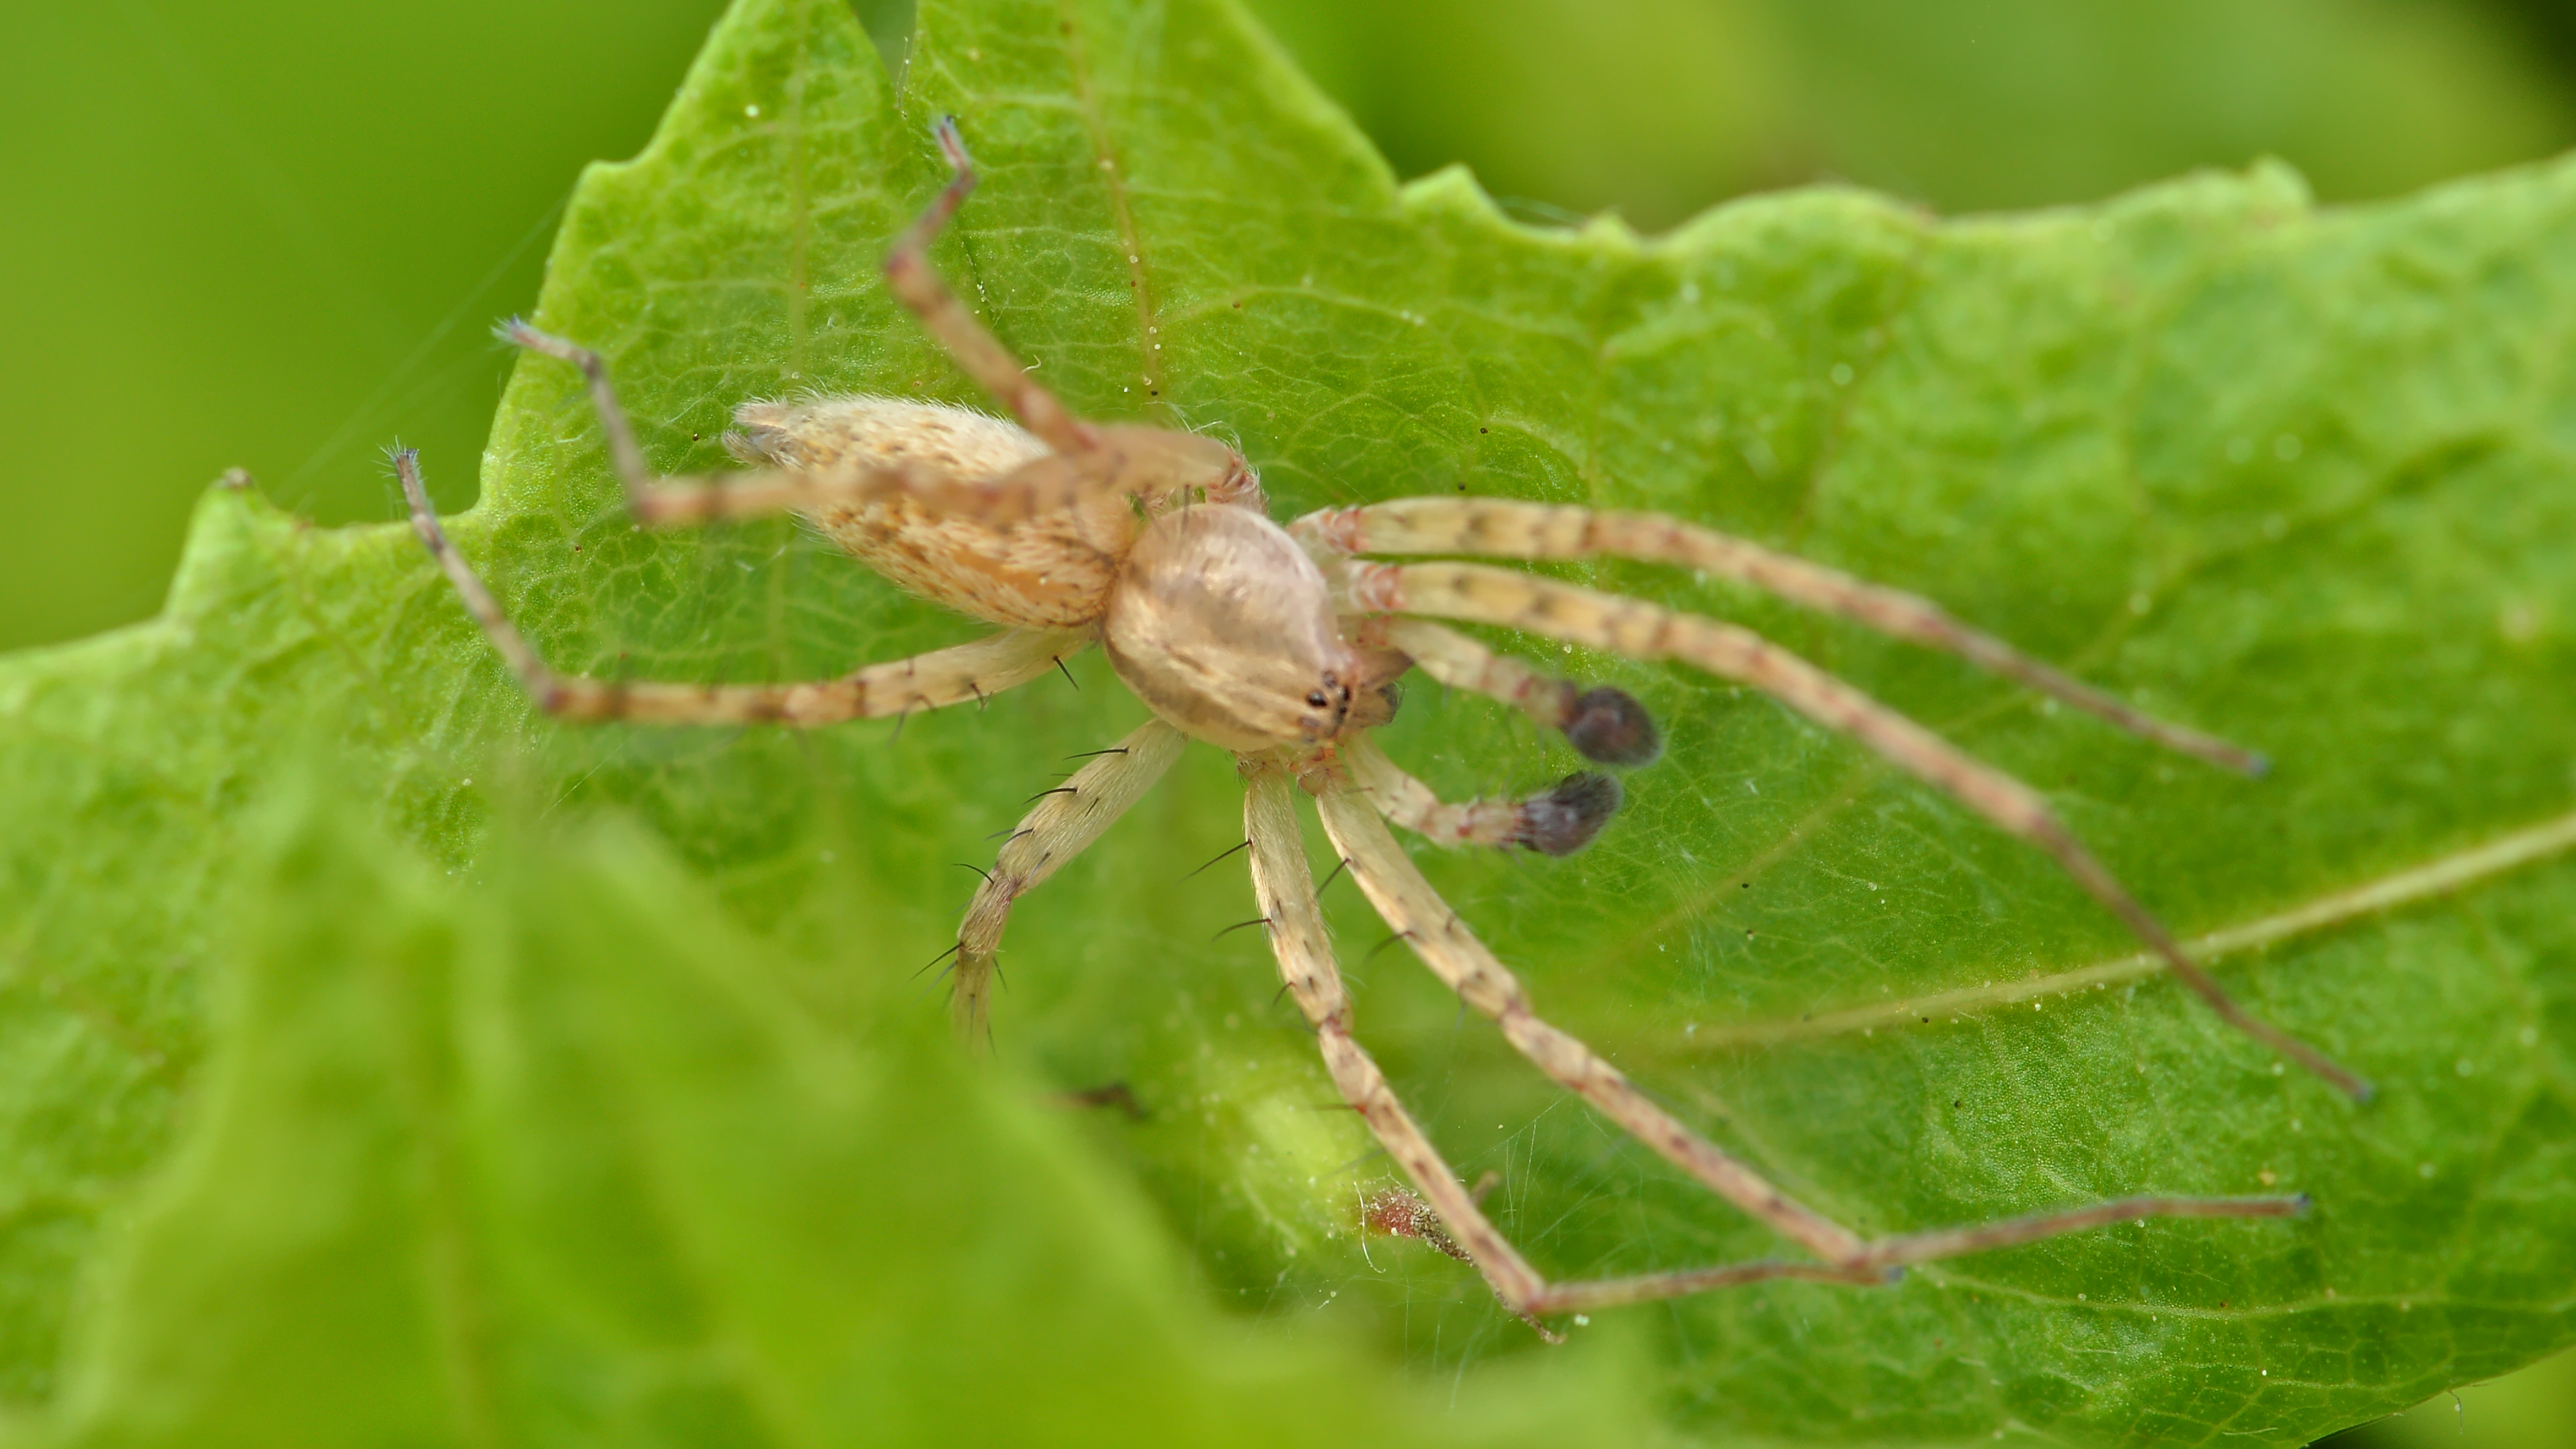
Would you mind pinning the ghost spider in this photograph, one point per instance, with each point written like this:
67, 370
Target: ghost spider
1279, 645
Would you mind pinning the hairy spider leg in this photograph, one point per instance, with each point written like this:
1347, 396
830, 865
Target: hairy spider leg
1405, 901
1503, 528
658, 501
1606, 726
1286, 890
1086, 464
1409, 906
976, 670
1557, 821
916, 284
1640, 630
1066, 821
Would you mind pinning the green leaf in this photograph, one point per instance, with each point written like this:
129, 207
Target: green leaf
552, 1153
2297, 477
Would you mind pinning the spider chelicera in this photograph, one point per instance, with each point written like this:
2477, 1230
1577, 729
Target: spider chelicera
1281, 645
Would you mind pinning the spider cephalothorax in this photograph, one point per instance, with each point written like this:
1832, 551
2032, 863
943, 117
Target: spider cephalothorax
1282, 645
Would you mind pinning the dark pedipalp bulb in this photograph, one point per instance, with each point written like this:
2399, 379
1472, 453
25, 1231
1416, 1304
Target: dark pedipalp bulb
1610, 728
1565, 819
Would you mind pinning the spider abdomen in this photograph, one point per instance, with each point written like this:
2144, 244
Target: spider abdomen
1224, 627
1047, 570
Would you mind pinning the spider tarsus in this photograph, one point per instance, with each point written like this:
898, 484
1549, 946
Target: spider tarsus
1565, 819
1608, 727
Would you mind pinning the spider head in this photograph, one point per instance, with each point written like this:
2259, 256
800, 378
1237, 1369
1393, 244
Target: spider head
1224, 627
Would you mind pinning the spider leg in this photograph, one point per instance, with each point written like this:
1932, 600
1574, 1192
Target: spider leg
916, 284
1286, 890
1045, 484
926, 681
1501, 528
663, 502
1641, 630
1415, 911
1066, 821
1410, 908
1560, 821
1607, 726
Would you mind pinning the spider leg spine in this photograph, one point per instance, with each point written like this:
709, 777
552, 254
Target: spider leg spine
1220, 855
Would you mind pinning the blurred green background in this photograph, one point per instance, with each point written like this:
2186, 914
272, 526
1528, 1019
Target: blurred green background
273, 236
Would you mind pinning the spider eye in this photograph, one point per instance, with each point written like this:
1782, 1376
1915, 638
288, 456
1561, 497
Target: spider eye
1318, 700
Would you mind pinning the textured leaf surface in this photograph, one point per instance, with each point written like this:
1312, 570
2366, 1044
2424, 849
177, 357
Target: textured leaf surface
2300, 478
552, 1154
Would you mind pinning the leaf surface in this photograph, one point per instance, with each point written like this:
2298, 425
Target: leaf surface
2294, 476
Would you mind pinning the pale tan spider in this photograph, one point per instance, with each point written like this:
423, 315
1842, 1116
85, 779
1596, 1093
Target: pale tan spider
1280, 644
